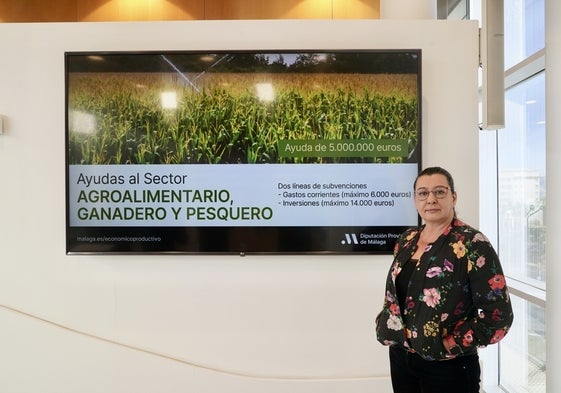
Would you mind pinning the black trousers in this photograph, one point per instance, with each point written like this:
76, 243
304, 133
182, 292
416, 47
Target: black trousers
411, 373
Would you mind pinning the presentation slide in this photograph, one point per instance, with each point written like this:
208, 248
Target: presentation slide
241, 152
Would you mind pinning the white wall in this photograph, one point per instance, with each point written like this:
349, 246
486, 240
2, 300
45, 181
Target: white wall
197, 323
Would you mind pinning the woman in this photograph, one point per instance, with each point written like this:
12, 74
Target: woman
445, 296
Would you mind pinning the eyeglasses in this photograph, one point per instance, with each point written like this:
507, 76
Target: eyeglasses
439, 192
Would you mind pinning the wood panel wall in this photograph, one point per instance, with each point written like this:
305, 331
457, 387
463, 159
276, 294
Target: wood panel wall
37, 10
146, 10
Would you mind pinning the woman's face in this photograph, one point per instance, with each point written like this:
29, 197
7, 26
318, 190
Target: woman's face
434, 199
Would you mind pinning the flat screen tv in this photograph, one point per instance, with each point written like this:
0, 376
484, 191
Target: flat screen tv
240, 152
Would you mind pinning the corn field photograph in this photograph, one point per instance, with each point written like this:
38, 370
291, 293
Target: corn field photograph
241, 107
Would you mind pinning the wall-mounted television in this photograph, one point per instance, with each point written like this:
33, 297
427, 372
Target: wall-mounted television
241, 152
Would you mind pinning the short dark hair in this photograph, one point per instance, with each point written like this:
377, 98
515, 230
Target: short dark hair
436, 170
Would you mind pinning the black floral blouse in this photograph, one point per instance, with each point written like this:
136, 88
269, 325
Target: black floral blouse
457, 287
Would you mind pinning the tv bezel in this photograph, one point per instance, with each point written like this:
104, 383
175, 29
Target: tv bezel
202, 240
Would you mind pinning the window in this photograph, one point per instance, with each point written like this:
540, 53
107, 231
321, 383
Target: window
522, 352
524, 29
521, 180
512, 200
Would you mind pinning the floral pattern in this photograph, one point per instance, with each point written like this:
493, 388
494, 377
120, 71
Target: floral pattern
457, 288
